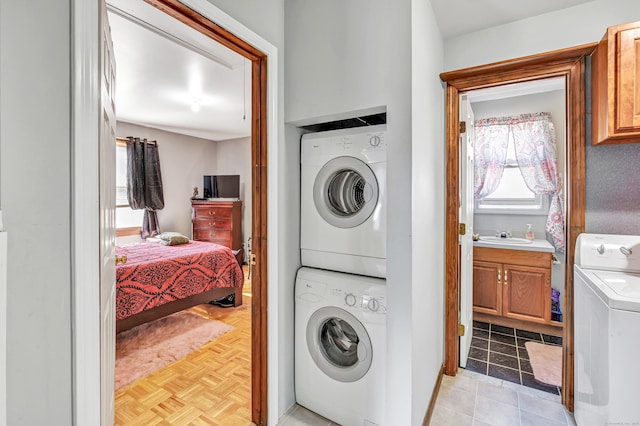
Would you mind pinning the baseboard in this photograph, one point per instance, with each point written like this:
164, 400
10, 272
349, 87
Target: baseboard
434, 397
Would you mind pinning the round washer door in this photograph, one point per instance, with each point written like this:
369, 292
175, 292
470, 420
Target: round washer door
345, 192
339, 344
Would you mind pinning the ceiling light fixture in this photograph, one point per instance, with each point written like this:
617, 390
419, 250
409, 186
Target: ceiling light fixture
195, 105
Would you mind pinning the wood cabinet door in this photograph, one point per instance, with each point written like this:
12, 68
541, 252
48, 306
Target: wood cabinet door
526, 293
487, 294
628, 81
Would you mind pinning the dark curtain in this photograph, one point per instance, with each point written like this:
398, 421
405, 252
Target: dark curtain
145, 183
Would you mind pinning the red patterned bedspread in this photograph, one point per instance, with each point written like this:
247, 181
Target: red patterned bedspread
156, 274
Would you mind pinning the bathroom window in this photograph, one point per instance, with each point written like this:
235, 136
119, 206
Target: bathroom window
512, 196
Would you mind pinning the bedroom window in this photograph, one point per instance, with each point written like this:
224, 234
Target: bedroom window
128, 221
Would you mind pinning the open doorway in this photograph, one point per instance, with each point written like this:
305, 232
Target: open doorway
517, 291
567, 63
222, 375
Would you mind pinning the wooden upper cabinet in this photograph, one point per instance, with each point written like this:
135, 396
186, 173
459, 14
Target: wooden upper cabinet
615, 83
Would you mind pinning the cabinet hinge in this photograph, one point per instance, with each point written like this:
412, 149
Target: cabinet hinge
460, 329
463, 127
462, 229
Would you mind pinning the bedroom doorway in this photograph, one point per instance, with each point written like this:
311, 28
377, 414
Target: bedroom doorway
258, 193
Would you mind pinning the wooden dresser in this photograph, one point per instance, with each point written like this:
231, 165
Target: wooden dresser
218, 222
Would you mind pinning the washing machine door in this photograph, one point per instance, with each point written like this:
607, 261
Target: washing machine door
339, 344
345, 192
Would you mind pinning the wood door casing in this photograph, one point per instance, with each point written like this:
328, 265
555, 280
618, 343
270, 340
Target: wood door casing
568, 63
487, 294
526, 293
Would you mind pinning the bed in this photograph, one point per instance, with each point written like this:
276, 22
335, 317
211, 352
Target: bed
158, 280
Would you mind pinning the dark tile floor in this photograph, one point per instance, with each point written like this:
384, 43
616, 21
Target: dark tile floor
500, 352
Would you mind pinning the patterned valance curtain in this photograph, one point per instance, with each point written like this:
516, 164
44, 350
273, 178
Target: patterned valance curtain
490, 154
536, 153
145, 182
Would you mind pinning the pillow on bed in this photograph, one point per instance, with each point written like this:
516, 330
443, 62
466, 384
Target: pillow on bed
172, 238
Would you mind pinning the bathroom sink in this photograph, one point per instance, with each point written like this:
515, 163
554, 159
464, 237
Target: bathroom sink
500, 240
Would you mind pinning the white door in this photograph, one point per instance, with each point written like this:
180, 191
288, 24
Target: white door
107, 165
466, 217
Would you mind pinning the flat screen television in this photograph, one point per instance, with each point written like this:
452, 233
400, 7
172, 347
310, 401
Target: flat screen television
221, 186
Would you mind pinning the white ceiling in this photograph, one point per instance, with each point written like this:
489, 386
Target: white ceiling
457, 17
162, 65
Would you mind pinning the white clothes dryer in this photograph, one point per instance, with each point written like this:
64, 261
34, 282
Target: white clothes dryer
343, 200
340, 346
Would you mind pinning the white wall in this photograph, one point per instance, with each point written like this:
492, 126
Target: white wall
183, 162
585, 23
428, 207
35, 141
234, 158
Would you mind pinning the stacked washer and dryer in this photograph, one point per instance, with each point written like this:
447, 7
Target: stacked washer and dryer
340, 294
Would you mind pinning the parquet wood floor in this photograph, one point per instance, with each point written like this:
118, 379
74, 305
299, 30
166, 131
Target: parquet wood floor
210, 386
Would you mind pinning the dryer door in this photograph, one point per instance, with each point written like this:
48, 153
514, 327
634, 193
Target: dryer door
339, 344
345, 192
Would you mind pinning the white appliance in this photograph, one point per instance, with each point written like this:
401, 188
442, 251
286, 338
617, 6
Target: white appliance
607, 329
340, 346
343, 200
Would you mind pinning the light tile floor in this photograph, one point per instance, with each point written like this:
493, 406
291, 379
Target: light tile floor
300, 416
475, 399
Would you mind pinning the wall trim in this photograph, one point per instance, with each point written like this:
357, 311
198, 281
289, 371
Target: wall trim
434, 398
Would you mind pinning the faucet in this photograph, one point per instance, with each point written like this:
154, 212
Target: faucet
503, 234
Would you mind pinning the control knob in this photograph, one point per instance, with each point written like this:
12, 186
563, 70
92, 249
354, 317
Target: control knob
373, 305
600, 249
350, 299
375, 140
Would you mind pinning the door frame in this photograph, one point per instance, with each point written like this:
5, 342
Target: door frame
568, 63
211, 21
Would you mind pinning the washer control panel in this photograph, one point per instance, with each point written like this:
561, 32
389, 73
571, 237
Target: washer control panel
373, 301
608, 252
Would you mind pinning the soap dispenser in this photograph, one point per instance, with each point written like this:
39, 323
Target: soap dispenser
529, 235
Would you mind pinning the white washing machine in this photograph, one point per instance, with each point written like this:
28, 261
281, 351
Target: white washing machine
343, 200
607, 329
340, 346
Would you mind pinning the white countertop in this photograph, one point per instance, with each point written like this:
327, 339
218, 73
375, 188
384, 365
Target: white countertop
536, 245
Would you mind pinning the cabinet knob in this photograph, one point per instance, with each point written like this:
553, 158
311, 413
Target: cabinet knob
499, 278
506, 277
212, 212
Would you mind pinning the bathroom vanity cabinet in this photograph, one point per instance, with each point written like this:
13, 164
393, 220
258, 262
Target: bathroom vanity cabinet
615, 83
512, 284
